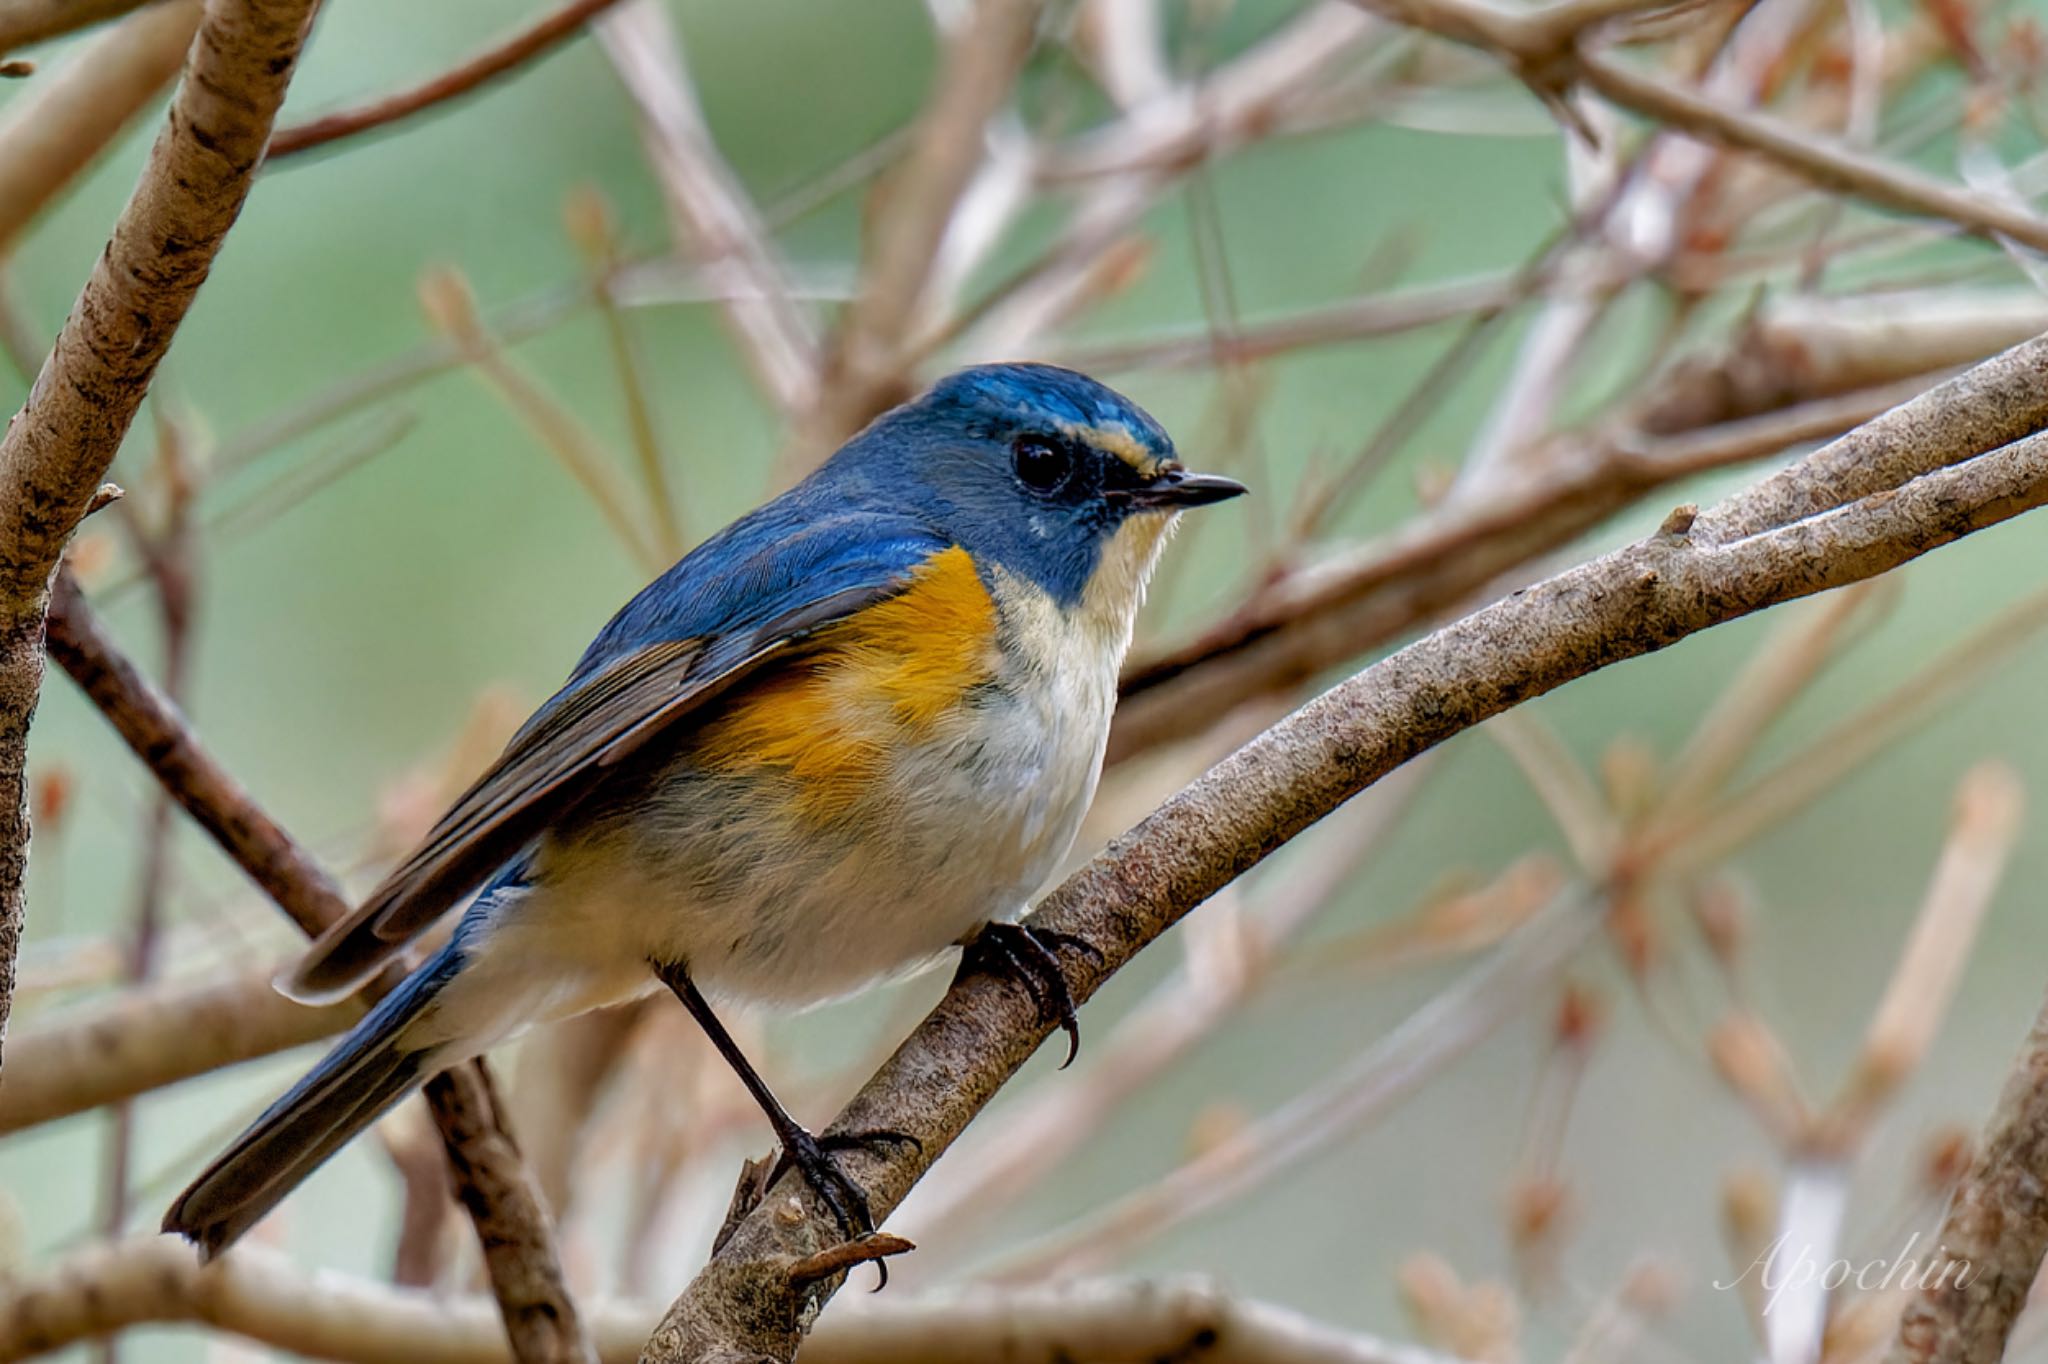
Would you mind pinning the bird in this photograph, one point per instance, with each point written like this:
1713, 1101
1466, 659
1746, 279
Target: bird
855, 729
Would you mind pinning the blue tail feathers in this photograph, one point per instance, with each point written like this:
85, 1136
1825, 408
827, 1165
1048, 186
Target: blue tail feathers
357, 1082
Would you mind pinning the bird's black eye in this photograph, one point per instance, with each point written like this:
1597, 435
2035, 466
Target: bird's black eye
1042, 465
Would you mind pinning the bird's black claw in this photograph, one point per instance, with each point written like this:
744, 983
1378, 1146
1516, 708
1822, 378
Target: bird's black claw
813, 1159
1030, 957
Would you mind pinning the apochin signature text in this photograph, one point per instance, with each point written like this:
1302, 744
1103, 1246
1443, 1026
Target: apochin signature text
1783, 1267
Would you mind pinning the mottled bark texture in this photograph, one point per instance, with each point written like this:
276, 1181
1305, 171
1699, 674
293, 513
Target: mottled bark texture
1973, 1284
1742, 556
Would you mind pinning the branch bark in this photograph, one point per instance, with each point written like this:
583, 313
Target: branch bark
1329, 613
1820, 524
151, 725
1995, 1233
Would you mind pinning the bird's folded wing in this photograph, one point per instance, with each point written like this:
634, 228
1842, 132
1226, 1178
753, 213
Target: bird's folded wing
553, 762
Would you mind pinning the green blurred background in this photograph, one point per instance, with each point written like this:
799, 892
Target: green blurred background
344, 641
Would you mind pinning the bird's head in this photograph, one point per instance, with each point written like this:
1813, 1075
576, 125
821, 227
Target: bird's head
1043, 475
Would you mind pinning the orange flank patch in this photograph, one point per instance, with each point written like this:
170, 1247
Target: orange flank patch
888, 676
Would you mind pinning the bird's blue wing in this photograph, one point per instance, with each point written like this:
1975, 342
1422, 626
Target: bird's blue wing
730, 607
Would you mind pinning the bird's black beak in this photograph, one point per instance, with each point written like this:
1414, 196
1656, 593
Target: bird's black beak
1177, 488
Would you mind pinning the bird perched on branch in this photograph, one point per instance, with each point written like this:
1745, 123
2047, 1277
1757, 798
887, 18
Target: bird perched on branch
856, 727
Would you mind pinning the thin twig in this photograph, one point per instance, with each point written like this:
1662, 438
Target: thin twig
528, 44
863, 374
1543, 46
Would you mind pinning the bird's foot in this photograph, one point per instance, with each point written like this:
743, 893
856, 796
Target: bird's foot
1030, 956
811, 1156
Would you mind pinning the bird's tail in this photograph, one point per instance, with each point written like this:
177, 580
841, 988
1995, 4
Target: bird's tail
360, 1079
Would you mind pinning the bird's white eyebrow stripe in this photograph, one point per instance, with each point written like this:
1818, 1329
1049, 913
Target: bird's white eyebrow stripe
1115, 439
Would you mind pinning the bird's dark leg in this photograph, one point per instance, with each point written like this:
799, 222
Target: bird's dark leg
809, 1155
1030, 957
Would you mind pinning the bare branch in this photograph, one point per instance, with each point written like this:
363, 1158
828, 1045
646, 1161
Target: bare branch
1319, 617
864, 372
152, 726
1995, 1233
1543, 48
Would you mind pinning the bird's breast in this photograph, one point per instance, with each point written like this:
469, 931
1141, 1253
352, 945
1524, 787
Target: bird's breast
917, 771
901, 675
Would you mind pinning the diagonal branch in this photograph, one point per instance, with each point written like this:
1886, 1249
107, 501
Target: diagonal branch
1634, 601
1325, 615
1995, 1233
52, 132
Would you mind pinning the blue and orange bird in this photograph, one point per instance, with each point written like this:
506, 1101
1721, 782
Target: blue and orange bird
858, 726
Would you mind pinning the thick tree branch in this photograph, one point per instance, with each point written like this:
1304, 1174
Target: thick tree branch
511, 1219
152, 726
1326, 614
1631, 602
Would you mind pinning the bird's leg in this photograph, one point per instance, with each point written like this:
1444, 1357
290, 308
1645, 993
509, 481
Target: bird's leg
1030, 957
809, 1155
